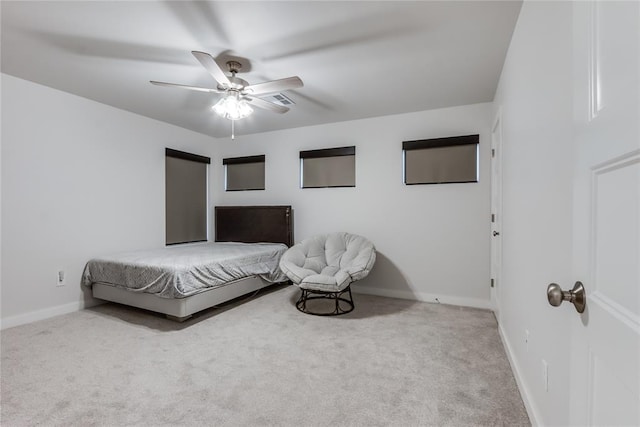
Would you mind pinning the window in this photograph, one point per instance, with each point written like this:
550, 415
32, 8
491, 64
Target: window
441, 160
244, 173
331, 167
185, 197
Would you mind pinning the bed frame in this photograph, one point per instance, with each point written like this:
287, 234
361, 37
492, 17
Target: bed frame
248, 224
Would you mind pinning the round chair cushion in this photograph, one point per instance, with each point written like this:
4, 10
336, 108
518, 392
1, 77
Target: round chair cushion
328, 262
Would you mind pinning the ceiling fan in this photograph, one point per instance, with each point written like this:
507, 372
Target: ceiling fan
238, 94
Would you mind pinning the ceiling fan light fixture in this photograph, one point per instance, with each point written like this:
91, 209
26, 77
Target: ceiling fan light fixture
232, 107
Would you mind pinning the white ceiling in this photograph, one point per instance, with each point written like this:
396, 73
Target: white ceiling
357, 58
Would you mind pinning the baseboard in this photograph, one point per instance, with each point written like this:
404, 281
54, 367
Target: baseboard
34, 316
532, 411
46, 313
421, 296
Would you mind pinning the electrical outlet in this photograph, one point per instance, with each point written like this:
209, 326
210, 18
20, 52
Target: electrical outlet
60, 281
545, 375
526, 339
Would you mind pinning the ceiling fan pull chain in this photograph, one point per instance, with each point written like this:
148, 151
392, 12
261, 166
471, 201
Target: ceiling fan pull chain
233, 129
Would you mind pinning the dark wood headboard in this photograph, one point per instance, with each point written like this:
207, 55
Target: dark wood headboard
254, 224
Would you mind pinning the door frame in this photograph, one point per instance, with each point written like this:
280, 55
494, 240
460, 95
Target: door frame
496, 212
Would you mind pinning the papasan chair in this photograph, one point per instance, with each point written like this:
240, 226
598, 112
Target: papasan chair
324, 266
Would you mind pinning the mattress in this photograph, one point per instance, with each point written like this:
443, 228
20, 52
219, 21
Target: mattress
185, 270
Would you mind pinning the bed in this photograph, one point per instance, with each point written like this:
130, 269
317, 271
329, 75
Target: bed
180, 280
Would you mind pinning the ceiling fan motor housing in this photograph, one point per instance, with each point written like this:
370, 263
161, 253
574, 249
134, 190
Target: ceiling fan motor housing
236, 83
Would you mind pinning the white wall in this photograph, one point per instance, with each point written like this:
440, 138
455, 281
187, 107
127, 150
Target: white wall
79, 179
432, 240
1, 325
535, 95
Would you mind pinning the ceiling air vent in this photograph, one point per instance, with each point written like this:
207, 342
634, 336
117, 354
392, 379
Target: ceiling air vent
279, 99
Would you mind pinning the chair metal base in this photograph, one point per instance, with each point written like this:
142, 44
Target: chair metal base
308, 295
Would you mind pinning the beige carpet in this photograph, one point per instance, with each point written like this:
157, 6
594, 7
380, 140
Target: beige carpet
261, 362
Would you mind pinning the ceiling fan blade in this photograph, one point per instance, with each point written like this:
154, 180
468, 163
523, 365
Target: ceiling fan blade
266, 105
274, 86
200, 89
212, 67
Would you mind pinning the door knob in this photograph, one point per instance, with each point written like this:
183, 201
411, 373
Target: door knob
575, 296
496, 233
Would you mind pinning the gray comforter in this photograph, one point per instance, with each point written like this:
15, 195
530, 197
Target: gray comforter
180, 271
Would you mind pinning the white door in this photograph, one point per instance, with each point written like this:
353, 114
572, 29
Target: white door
496, 213
605, 370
